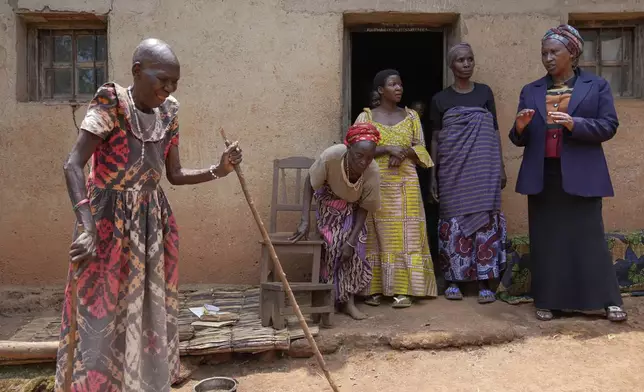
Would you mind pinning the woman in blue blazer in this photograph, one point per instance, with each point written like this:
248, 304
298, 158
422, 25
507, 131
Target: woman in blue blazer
562, 121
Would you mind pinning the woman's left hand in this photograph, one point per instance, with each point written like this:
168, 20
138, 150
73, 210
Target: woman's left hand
397, 151
230, 158
83, 248
347, 252
394, 161
562, 119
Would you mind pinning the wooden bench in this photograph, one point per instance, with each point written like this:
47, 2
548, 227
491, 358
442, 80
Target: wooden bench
275, 307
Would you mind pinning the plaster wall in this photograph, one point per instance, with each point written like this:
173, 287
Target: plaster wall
270, 73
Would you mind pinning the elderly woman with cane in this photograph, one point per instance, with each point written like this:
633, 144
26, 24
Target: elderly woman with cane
346, 185
126, 255
562, 121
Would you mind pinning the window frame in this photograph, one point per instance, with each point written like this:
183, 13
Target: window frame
636, 27
36, 68
623, 64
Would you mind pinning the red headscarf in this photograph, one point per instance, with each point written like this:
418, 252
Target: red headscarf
362, 131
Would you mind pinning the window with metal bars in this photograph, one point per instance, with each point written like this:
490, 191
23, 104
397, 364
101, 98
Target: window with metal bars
610, 53
71, 64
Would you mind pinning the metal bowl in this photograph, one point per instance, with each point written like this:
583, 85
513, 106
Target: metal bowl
216, 384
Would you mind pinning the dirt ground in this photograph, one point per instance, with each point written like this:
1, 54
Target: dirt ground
438, 323
467, 347
559, 363
20, 305
556, 364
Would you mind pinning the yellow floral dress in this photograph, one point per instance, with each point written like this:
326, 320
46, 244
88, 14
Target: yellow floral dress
397, 243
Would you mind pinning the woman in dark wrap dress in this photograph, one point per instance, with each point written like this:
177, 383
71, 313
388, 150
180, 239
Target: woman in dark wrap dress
466, 147
562, 121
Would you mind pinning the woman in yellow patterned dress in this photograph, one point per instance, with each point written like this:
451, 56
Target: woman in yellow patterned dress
397, 244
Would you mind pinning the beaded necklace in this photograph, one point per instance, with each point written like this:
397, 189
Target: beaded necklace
346, 174
137, 132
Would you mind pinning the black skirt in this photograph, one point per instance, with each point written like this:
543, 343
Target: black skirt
571, 264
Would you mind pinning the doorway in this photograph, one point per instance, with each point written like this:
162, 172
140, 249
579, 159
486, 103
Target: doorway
417, 55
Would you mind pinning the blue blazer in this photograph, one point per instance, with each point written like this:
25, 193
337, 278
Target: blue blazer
583, 164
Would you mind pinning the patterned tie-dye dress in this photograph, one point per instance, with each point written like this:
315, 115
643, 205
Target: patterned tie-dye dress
127, 298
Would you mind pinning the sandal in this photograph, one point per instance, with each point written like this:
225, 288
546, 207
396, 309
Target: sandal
373, 300
453, 293
544, 315
401, 301
486, 296
616, 314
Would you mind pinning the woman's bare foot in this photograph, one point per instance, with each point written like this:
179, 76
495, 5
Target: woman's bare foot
351, 309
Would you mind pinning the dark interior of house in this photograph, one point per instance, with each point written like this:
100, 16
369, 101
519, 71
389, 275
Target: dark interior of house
418, 56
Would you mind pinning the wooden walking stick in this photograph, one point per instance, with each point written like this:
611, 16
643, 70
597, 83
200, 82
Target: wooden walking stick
280, 272
73, 312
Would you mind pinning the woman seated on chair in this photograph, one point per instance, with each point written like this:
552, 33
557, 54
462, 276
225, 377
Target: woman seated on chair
346, 185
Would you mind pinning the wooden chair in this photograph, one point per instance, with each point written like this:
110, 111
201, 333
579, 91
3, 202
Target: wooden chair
271, 295
276, 308
280, 203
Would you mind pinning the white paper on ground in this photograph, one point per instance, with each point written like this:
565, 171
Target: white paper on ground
199, 312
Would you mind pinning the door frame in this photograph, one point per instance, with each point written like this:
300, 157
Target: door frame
450, 35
